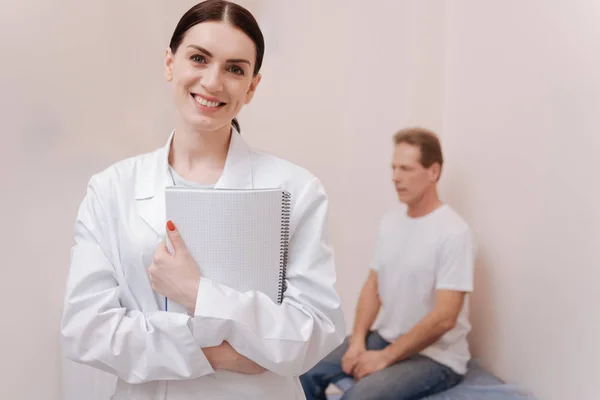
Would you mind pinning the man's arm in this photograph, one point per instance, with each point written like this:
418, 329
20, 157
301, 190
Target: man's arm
454, 279
366, 309
430, 329
366, 312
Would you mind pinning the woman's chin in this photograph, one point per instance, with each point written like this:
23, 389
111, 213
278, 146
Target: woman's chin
207, 124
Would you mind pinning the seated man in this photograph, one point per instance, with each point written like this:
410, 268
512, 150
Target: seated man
415, 294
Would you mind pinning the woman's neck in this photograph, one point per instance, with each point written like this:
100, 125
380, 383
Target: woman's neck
200, 156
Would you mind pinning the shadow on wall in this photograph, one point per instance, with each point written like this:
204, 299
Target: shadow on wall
456, 192
482, 310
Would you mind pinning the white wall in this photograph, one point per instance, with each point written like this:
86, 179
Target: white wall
521, 134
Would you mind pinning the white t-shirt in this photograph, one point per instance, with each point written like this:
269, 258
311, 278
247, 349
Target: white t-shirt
413, 258
179, 180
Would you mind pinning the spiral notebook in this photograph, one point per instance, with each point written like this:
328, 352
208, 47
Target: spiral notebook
238, 237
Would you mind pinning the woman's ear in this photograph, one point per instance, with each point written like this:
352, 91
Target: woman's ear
169, 64
252, 89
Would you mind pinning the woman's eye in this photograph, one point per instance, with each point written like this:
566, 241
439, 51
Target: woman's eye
198, 58
236, 70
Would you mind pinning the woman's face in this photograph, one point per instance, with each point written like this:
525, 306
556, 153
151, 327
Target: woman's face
212, 74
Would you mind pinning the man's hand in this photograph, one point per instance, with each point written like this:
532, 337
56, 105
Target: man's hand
351, 357
175, 276
225, 357
370, 362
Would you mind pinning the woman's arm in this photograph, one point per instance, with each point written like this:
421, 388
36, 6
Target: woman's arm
291, 337
98, 331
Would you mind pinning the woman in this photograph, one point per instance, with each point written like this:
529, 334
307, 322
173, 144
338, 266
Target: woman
228, 344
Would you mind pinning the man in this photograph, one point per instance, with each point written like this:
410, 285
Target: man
414, 298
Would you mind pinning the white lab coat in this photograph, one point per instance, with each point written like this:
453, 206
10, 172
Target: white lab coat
115, 322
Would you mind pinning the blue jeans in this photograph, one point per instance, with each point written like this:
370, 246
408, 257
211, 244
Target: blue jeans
410, 379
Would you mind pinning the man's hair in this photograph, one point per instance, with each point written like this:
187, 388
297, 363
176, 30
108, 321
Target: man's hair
427, 142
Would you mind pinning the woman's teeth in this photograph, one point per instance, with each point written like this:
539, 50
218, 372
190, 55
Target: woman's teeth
206, 103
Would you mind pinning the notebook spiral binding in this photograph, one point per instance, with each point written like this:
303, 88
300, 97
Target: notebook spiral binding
285, 239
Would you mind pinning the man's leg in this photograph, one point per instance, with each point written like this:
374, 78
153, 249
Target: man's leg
411, 379
329, 370
315, 381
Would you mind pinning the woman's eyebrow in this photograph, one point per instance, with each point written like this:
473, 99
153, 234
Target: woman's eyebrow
208, 53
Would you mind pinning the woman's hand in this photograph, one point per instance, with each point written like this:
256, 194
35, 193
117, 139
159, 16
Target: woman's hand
175, 276
225, 357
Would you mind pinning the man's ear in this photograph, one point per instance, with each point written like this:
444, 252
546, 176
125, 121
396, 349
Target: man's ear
252, 88
434, 172
169, 64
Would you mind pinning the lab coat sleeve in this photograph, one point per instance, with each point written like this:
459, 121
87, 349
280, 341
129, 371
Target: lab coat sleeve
288, 338
98, 331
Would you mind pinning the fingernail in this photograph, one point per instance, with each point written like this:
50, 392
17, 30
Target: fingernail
170, 225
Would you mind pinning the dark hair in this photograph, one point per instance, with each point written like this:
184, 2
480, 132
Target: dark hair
427, 142
221, 11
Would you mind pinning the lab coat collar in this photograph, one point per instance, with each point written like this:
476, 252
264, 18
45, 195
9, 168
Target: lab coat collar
153, 177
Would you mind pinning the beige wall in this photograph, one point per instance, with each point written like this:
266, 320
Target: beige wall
339, 79
521, 133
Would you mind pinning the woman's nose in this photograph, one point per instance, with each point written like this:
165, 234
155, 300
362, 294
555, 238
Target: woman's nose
212, 79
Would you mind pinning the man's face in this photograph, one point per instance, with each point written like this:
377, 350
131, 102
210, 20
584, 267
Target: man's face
410, 178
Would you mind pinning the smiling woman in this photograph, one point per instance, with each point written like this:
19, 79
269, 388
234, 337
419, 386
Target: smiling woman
206, 48
214, 342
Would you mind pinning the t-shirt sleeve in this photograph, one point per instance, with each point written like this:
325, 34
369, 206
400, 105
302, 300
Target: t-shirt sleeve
375, 263
456, 262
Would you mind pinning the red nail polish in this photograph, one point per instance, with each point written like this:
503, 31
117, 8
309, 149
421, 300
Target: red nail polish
170, 225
